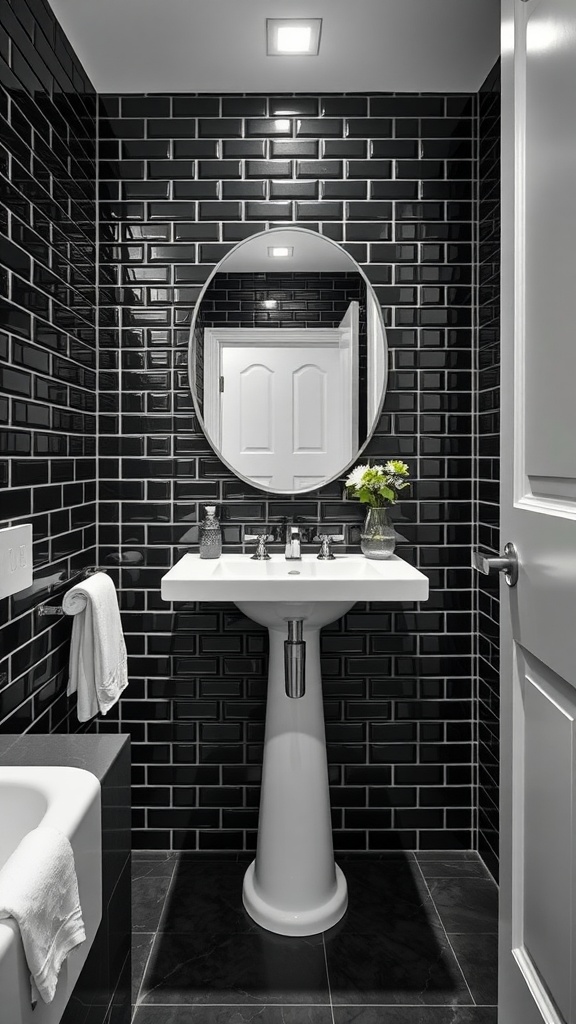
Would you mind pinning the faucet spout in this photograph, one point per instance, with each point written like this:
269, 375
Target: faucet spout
292, 548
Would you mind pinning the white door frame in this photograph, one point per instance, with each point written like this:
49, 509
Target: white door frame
342, 337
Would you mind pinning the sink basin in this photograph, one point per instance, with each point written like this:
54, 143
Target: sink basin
294, 887
346, 578
67, 799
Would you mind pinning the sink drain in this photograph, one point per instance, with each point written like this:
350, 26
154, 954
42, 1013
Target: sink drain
293, 572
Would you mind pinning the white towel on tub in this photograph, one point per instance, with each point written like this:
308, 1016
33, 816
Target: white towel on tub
98, 668
39, 889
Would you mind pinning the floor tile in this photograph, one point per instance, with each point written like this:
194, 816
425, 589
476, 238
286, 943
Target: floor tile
141, 946
414, 1015
374, 858
478, 958
421, 855
145, 868
207, 893
409, 962
454, 869
200, 967
381, 893
148, 896
156, 854
237, 1015
388, 959
466, 904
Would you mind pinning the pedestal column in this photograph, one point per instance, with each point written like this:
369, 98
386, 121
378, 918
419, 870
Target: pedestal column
293, 887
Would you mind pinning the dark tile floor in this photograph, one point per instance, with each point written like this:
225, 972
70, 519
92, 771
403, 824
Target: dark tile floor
418, 945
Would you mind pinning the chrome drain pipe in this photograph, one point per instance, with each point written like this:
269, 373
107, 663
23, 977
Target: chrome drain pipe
295, 660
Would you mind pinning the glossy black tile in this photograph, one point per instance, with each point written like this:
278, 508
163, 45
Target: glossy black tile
54, 225
294, 189
247, 969
280, 149
167, 128
148, 897
268, 169
214, 894
145, 106
241, 184
283, 106
478, 959
411, 962
414, 1015
239, 1013
469, 905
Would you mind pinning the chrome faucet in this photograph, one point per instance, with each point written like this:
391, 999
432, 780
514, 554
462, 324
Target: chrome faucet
292, 548
326, 539
262, 539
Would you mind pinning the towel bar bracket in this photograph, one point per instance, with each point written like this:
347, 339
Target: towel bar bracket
46, 609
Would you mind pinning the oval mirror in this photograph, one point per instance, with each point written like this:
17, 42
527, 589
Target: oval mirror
288, 360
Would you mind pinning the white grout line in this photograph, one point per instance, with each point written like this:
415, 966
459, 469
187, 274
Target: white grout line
168, 891
396, 1006
328, 977
474, 1003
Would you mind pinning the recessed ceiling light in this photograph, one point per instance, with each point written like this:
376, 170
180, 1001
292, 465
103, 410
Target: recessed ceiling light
281, 251
293, 36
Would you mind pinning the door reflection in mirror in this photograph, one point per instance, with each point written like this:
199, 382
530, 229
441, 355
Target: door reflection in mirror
287, 365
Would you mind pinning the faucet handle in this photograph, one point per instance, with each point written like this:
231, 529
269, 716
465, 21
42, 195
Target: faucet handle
262, 539
326, 539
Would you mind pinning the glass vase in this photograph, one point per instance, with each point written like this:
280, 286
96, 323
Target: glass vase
378, 537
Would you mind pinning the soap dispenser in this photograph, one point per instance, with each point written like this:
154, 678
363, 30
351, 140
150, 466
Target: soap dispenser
210, 534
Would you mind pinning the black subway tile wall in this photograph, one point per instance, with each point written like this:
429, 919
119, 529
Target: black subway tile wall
488, 466
182, 178
47, 347
282, 300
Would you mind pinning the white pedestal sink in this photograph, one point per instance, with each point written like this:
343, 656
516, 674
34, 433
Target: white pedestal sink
293, 887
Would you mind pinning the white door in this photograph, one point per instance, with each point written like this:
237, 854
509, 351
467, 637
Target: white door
538, 822
286, 421
349, 331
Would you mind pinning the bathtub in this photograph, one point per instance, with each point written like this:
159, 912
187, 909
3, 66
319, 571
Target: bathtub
67, 799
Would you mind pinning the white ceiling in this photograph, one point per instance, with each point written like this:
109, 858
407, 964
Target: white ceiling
220, 45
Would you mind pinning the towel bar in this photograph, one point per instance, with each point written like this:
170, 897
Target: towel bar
56, 609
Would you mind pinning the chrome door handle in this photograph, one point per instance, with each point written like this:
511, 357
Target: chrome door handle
508, 564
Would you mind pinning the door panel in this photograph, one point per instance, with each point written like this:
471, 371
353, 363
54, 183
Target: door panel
538, 512
545, 929
550, 155
254, 409
309, 409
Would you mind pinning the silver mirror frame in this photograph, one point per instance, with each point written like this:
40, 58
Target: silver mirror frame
191, 360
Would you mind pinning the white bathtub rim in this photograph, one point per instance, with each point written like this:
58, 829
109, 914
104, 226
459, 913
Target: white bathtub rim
68, 791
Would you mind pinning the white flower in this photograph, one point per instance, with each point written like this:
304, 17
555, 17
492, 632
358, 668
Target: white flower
395, 467
356, 476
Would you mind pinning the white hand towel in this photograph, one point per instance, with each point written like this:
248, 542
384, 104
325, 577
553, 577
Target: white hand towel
39, 889
98, 668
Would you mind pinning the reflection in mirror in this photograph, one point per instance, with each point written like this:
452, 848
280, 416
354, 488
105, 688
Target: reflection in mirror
288, 360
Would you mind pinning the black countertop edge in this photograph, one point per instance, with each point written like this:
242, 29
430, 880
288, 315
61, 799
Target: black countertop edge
94, 754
